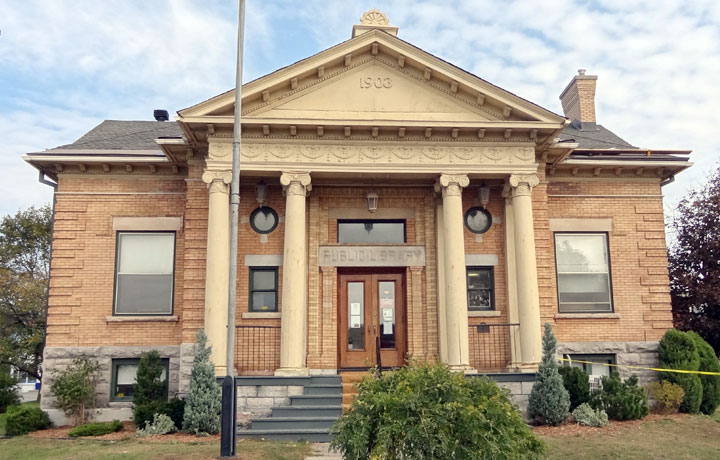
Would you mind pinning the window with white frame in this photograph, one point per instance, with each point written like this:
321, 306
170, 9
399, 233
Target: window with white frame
583, 272
144, 272
595, 366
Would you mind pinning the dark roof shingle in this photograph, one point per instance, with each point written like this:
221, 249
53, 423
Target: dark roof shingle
602, 138
125, 135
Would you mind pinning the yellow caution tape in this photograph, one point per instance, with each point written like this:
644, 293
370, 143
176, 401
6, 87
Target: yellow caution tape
657, 369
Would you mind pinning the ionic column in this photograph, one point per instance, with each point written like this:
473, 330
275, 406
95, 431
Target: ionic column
293, 315
442, 314
456, 319
526, 268
217, 266
511, 278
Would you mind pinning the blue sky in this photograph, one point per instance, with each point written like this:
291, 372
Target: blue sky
66, 65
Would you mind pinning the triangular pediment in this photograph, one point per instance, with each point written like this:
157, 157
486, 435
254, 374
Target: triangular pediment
374, 76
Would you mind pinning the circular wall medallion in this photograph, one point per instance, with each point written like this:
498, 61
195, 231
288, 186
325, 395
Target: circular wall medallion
478, 220
264, 219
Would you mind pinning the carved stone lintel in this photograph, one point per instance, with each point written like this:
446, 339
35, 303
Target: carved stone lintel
296, 183
522, 184
217, 180
451, 184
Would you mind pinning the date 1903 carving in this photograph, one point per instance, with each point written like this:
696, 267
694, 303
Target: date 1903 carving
375, 82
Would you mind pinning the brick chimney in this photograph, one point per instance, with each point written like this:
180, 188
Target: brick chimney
578, 101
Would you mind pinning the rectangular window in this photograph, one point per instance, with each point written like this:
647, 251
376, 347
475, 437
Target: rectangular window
481, 288
597, 367
583, 272
264, 289
371, 231
144, 272
124, 373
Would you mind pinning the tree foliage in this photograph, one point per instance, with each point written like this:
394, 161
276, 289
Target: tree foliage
204, 402
74, 388
549, 400
695, 262
677, 350
24, 270
710, 383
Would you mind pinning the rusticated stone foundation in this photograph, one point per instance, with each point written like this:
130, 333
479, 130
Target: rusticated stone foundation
643, 354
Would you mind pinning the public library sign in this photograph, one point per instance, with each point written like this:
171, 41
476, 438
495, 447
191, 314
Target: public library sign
371, 256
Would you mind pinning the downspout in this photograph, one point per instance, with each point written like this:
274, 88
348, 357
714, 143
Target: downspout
667, 181
54, 185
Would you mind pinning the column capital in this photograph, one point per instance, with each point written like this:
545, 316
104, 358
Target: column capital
451, 184
522, 184
296, 183
217, 181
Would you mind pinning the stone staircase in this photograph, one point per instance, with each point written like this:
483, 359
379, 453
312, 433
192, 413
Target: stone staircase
307, 417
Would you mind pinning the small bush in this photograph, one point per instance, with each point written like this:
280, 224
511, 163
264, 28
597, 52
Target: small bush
74, 388
8, 390
678, 351
161, 424
26, 418
96, 429
577, 384
710, 383
666, 396
150, 391
203, 402
175, 409
585, 415
620, 400
428, 412
549, 402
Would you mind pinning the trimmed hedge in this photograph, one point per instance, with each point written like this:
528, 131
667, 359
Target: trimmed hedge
26, 418
710, 383
96, 429
577, 384
678, 351
620, 400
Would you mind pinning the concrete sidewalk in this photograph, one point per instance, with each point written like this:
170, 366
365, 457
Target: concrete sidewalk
321, 451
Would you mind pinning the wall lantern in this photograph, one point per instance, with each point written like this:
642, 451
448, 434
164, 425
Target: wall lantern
261, 191
372, 198
484, 195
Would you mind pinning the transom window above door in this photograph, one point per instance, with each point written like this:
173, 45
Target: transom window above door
371, 231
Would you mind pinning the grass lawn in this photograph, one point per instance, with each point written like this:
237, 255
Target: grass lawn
685, 437
3, 418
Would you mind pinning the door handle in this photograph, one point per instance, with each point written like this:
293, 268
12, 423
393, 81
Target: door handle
374, 329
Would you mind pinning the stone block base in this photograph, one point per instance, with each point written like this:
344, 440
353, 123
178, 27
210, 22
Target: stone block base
643, 354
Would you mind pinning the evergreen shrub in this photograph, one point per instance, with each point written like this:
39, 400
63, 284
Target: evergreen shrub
710, 383
74, 388
620, 400
150, 391
26, 418
427, 412
204, 400
585, 415
678, 351
666, 396
577, 384
8, 390
96, 429
549, 402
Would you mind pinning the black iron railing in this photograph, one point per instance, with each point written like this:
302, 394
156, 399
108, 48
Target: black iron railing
257, 349
492, 346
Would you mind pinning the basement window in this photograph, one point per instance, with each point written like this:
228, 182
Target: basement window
124, 377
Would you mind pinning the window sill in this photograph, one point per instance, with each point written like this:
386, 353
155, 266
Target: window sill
142, 319
587, 316
261, 315
483, 314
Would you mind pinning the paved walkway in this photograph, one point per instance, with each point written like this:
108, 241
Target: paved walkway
321, 451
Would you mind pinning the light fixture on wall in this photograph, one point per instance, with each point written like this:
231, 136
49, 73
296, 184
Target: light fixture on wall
261, 191
484, 195
372, 198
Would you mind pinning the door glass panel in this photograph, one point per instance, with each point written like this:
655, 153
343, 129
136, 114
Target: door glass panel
356, 315
387, 313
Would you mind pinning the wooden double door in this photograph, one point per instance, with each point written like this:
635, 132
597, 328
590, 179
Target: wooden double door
372, 317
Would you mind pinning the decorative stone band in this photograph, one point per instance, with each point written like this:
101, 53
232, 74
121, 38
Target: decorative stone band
451, 184
217, 180
295, 183
522, 184
371, 256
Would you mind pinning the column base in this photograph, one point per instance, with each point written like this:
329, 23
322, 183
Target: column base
220, 371
527, 367
464, 368
292, 372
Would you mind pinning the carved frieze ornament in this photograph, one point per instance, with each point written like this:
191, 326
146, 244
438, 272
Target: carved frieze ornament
374, 17
522, 184
217, 181
295, 183
451, 184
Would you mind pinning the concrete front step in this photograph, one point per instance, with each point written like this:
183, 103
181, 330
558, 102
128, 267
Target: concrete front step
334, 410
324, 389
315, 400
293, 423
311, 435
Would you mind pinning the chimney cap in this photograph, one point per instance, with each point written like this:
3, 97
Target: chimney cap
581, 71
161, 115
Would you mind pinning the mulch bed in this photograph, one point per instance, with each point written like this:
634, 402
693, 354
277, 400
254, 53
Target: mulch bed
575, 429
127, 432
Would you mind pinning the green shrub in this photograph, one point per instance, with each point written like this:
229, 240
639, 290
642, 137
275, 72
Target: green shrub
710, 383
585, 415
8, 390
678, 351
620, 400
161, 424
667, 396
175, 409
96, 429
426, 411
577, 384
203, 402
74, 388
150, 391
26, 418
549, 402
